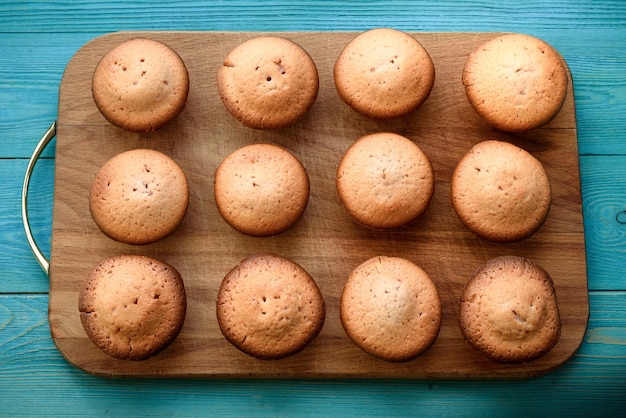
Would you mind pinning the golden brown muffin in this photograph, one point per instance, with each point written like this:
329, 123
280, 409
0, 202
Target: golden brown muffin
140, 85
501, 192
390, 308
269, 307
509, 311
139, 196
261, 189
133, 307
268, 82
384, 73
385, 181
516, 82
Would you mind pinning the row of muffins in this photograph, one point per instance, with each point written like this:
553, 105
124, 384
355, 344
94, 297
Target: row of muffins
384, 181
269, 307
281, 66
515, 82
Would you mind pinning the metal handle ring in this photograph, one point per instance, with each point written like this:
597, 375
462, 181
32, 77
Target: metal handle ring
41, 145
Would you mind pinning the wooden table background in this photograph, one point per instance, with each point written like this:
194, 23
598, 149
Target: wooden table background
37, 40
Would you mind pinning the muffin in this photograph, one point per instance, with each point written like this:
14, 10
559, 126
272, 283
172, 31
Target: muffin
139, 196
261, 189
501, 192
508, 310
385, 181
269, 307
390, 308
132, 307
515, 82
140, 85
268, 82
384, 73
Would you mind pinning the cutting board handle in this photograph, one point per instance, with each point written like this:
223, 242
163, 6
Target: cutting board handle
41, 145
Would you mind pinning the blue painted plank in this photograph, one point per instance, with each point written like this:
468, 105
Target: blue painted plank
271, 15
19, 272
35, 379
603, 186
30, 74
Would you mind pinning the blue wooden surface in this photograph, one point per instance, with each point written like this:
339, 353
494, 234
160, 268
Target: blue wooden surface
37, 39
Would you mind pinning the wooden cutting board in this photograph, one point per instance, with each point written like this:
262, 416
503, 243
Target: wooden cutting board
325, 241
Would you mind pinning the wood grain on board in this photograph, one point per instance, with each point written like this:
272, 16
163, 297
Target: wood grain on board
325, 241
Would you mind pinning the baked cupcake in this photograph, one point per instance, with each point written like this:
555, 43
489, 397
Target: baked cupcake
269, 307
508, 310
132, 307
385, 181
261, 189
390, 308
501, 192
140, 85
515, 82
268, 82
139, 196
384, 73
